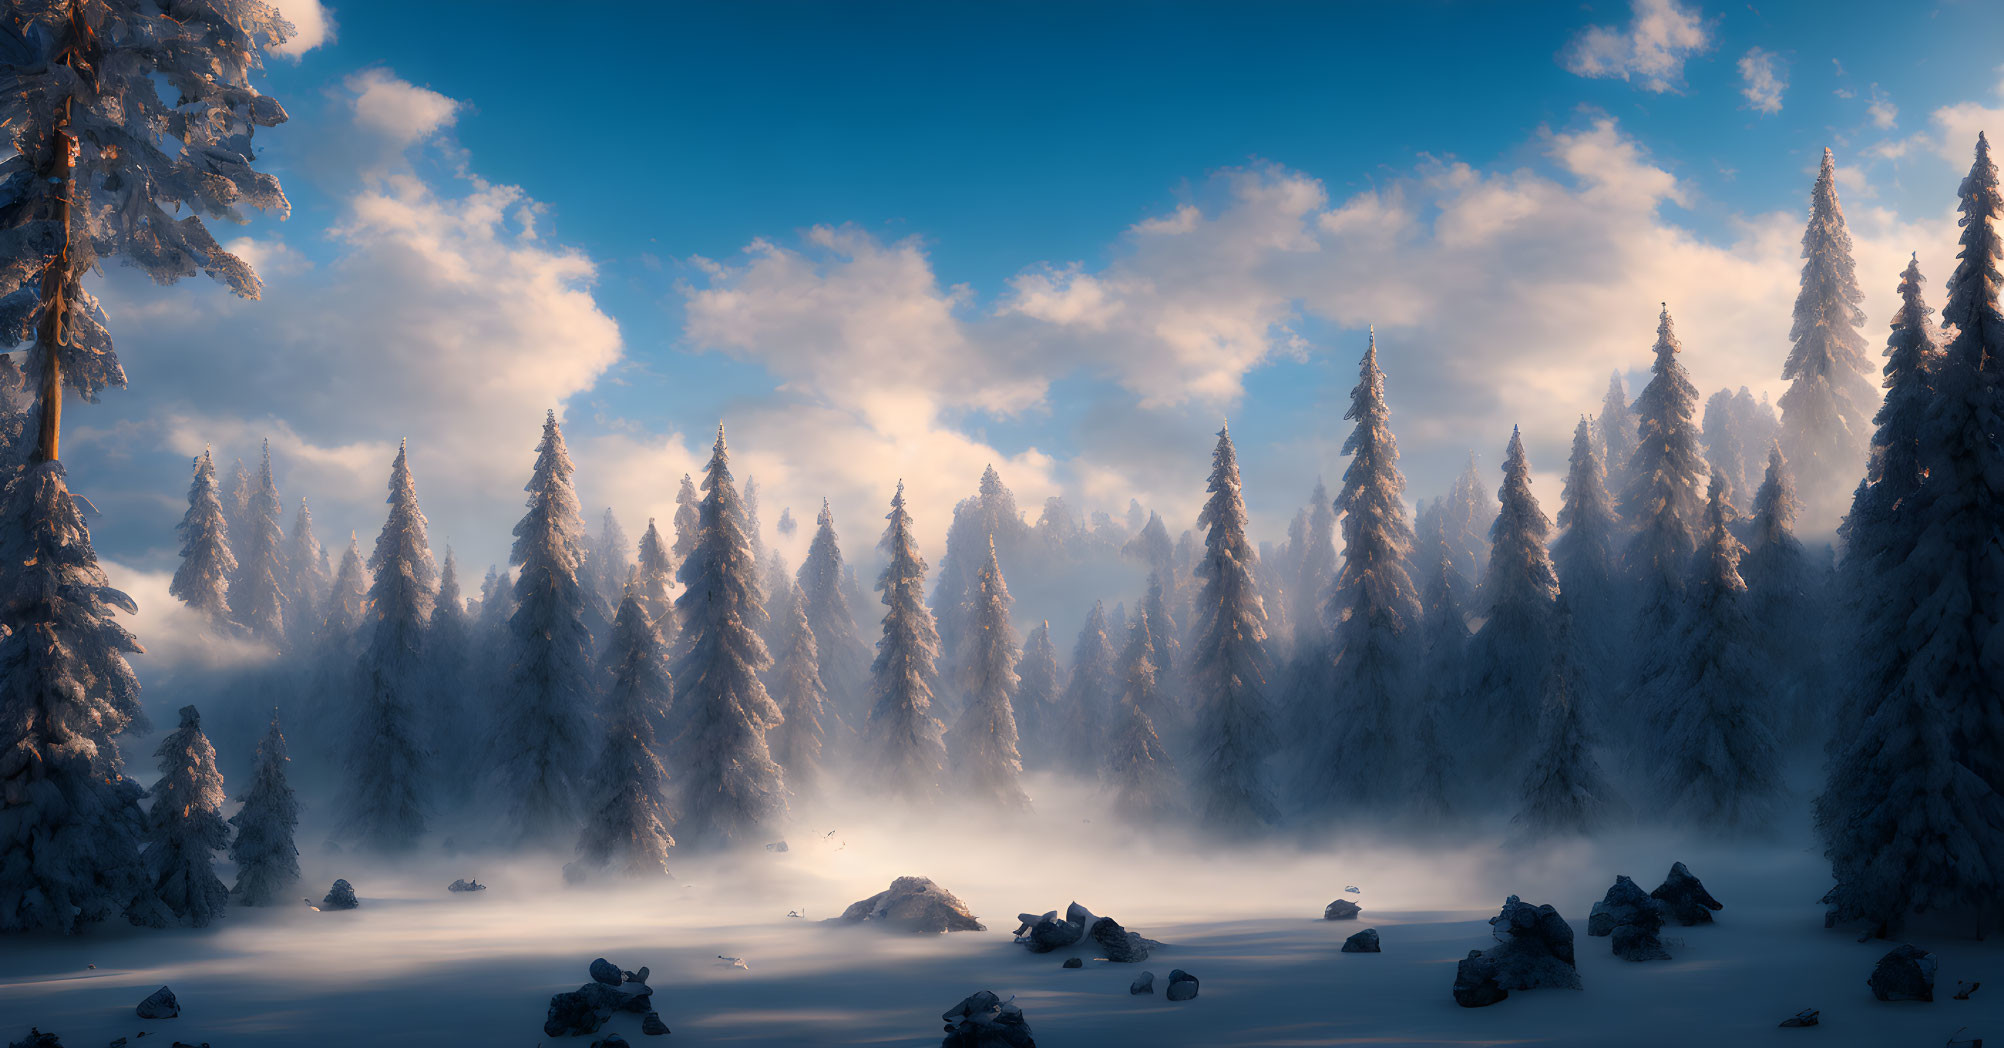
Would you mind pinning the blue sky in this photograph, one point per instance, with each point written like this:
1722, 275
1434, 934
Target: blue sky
890, 240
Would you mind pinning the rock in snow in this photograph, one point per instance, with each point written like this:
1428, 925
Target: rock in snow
611, 1040
466, 886
606, 972
1182, 985
1072, 962
914, 904
652, 1025
1121, 945
1048, 932
1143, 983
1365, 941
1805, 1017
1534, 950
985, 1021
37, 1039
160, 1004
1685, 899
1632, 919
571, 1013
340, 897
587, 1008
1341, 910
1905, 974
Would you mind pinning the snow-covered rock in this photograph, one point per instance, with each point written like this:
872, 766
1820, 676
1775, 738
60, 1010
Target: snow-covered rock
1365, 941
913, 904
466, 886
1632, 918
1341, 910
1685, 899
652, 1025
1047, 932
1182, 985
1121, 945
639, 976
985, 1021
606, 972
1904, 974
340, 897
1475, 984
160, 1004
1143, 983
571, 1013
1534, 950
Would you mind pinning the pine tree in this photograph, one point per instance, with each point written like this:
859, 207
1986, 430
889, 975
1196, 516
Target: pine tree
802, 698
1374, 608
1725, 454
654, 582
184, 830
345, 596
69, 821
387, 758
1784, 604
982, 744
449, 667
257, 595
687, 519
1157, 553
990, 514
1615, 429
544, 720
1584, 559
1089, 694
1823, 428
306, 580
903, 736
1757, 426
627, 831
1564, 791
1511, 656
203, 579
1705, 697
267, 861
236, 502
609, 563
845, 662
1911, 814
1167, 652
1139, 766
1315, 571
1228, 662
1465, 520
1662, 502
1443, 646
1037, 712
731, 787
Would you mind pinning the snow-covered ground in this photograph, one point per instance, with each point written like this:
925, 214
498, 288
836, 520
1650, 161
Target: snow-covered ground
418, 966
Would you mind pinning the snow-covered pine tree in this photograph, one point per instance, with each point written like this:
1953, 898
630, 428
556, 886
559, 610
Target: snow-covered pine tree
1585, 561
1785, 606
1138, 765
1167, 654
257, 593
1510, 660
184, 830
266, 859
1663, 502
626, 832
1615, 430
654, 582
1038, 715
1911, 814
1355, 757
902, 735
1157, 553
802, 698
609, 563
1229, 669
990, 513
982, 744
1443, 646
1089, 695
1705, 697
236, 502
545, 719
731, 788
1724, 453
1315, 571
1757, 426
306, 579
449, 723
845, 662
1465, 518
1564, 791
1823, 413
386, 794
202, 582
346, 595
687, 519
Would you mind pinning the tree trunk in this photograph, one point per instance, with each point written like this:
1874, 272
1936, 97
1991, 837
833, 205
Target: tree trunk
56, 276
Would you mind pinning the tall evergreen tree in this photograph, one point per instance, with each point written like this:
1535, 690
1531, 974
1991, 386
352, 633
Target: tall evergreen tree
1823, 415
982, 744
346, 595
1784, 605
990, 514
1139, 766
1584, 559
802, 699
387, 758
654, 582
1911, 816
203, 580
731, 787
1725, 451
544, 721
306, 578
1465, 518
1089, 693
450, 667
609, 563
1511, 657
1663, 502
687, 519
903, 736
1038, 714
236, 502
257, 594
1229, 668
1705, 697
266, 859
1564, 791
1374, 608
845, 662
1443, 646
1315, 569
1615, 429
184, 830
1157, 553
627, 830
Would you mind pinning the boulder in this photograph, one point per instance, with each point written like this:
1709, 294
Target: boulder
160, 1004
913, 904
652, 1025
1072, 962
466, 886
340, 897
1475, 984
1120, 945
1905, 974
606, 972
985, 1021
1534, 950
1632, 918
1805, 1017
1341, 910
1050, 932
637, 977
1365, 941
37, 1039
611, 1040
1182, 985
1684, 897
1634, 943
571, 1013
1143, 983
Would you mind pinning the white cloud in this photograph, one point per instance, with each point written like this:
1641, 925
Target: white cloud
398, 109
1885, 115
1650, 52
1765, 77
312, 26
